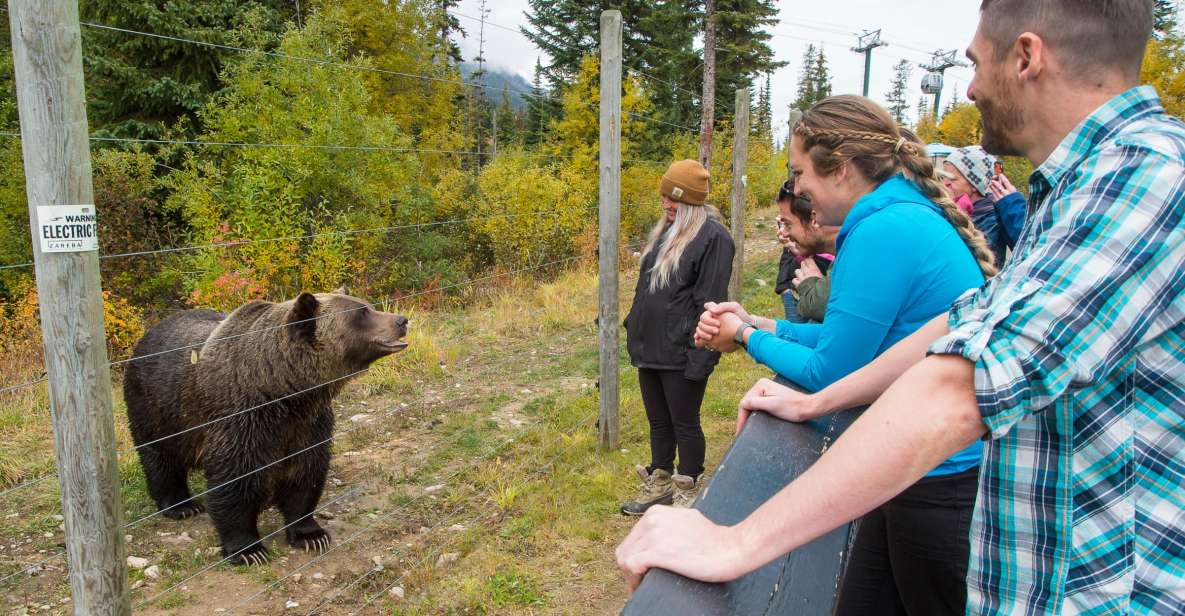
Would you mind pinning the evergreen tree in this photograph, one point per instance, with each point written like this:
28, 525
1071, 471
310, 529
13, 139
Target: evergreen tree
510, 122
896, 98
814, 81
447, 24
481, 110
821, 76
954, 102
539, 109
480, 123
1165, 15
657, 41
569, 30
668, 56
742, 47
139, 86
480, 58
806, 81
926, 126
763, 116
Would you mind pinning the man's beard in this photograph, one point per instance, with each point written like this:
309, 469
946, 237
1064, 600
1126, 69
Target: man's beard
1001, 123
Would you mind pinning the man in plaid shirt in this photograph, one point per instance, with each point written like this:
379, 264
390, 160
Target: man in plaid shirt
1071, 362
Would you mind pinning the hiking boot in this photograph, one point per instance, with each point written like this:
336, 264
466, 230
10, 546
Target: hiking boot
657, 489
686, 490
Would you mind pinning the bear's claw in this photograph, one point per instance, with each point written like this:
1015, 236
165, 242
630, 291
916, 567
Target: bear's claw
318, 544
253, 556
182, 512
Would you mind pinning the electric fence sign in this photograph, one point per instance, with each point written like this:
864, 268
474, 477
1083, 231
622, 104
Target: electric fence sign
67, 228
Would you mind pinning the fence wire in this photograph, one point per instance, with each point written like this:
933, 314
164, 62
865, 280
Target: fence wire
378, 148
388, 515
359, 489
30, 569
38, 480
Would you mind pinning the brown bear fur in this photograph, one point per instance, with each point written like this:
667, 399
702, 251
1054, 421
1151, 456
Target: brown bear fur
234, 404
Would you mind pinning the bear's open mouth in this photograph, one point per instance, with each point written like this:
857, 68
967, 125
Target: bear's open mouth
393, 346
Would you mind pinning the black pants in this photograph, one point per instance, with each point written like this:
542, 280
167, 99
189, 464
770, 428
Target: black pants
910, 555
672, 406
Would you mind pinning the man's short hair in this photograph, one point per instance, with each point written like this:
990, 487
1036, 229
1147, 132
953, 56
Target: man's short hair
1086, 35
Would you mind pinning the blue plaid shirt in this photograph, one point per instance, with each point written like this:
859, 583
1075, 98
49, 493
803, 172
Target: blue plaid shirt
1079, 353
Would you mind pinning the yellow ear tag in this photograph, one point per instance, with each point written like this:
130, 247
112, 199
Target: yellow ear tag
193, 356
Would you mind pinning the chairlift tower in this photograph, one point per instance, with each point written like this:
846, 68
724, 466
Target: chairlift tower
933, 81
868, 41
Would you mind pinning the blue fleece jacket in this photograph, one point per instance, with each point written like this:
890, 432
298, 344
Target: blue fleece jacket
899, 264
1011, 210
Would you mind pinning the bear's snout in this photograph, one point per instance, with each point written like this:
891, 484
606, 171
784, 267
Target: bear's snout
391, 330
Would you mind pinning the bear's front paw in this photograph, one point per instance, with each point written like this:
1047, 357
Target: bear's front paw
312, 540
183, 511
252, 555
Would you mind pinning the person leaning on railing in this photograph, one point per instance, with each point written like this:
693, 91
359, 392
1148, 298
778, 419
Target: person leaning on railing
905, 253
1070, 364
804, 280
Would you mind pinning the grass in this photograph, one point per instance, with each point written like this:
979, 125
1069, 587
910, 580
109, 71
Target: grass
551, 505
538, 515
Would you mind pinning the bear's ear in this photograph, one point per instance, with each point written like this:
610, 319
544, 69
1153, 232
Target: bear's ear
342, 290
303, 318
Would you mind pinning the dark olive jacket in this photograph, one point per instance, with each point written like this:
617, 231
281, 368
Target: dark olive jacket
660, 326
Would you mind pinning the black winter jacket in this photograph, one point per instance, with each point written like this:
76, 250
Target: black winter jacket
660, 325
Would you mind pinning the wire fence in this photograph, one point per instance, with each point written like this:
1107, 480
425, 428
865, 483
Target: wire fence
536, 268
396, 299
538, 472
355, 66
393, 413
240, 243
581, 421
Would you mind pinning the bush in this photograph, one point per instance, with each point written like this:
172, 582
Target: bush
306, 215
21, 356
131, 220
530, 214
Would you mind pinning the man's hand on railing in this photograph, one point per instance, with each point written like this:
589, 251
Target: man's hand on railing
682, 541
777, 400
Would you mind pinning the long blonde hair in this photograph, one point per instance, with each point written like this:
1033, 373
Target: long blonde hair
852, 129
689, 219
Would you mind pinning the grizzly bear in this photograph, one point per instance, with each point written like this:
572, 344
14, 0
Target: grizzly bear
246, 399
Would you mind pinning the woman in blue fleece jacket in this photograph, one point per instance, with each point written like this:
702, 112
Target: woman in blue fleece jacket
899, 264
905, 253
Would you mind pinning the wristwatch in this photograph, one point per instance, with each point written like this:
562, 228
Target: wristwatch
739, 337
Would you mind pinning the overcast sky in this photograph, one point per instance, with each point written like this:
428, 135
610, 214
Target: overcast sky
912, 28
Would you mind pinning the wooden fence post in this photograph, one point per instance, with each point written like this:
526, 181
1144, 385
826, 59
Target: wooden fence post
795, 118
47, 58
610, 221
740, 181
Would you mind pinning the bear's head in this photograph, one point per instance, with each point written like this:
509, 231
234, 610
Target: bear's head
345, 328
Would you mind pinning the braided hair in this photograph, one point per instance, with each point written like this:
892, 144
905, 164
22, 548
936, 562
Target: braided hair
853, 129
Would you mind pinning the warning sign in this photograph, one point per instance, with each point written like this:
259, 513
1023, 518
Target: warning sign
67, 228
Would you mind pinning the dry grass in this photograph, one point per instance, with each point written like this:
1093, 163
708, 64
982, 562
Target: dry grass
500, 410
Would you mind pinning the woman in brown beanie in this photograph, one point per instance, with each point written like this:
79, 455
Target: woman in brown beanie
687, 262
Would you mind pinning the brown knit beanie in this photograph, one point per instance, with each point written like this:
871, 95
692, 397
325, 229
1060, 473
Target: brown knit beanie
686, 181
